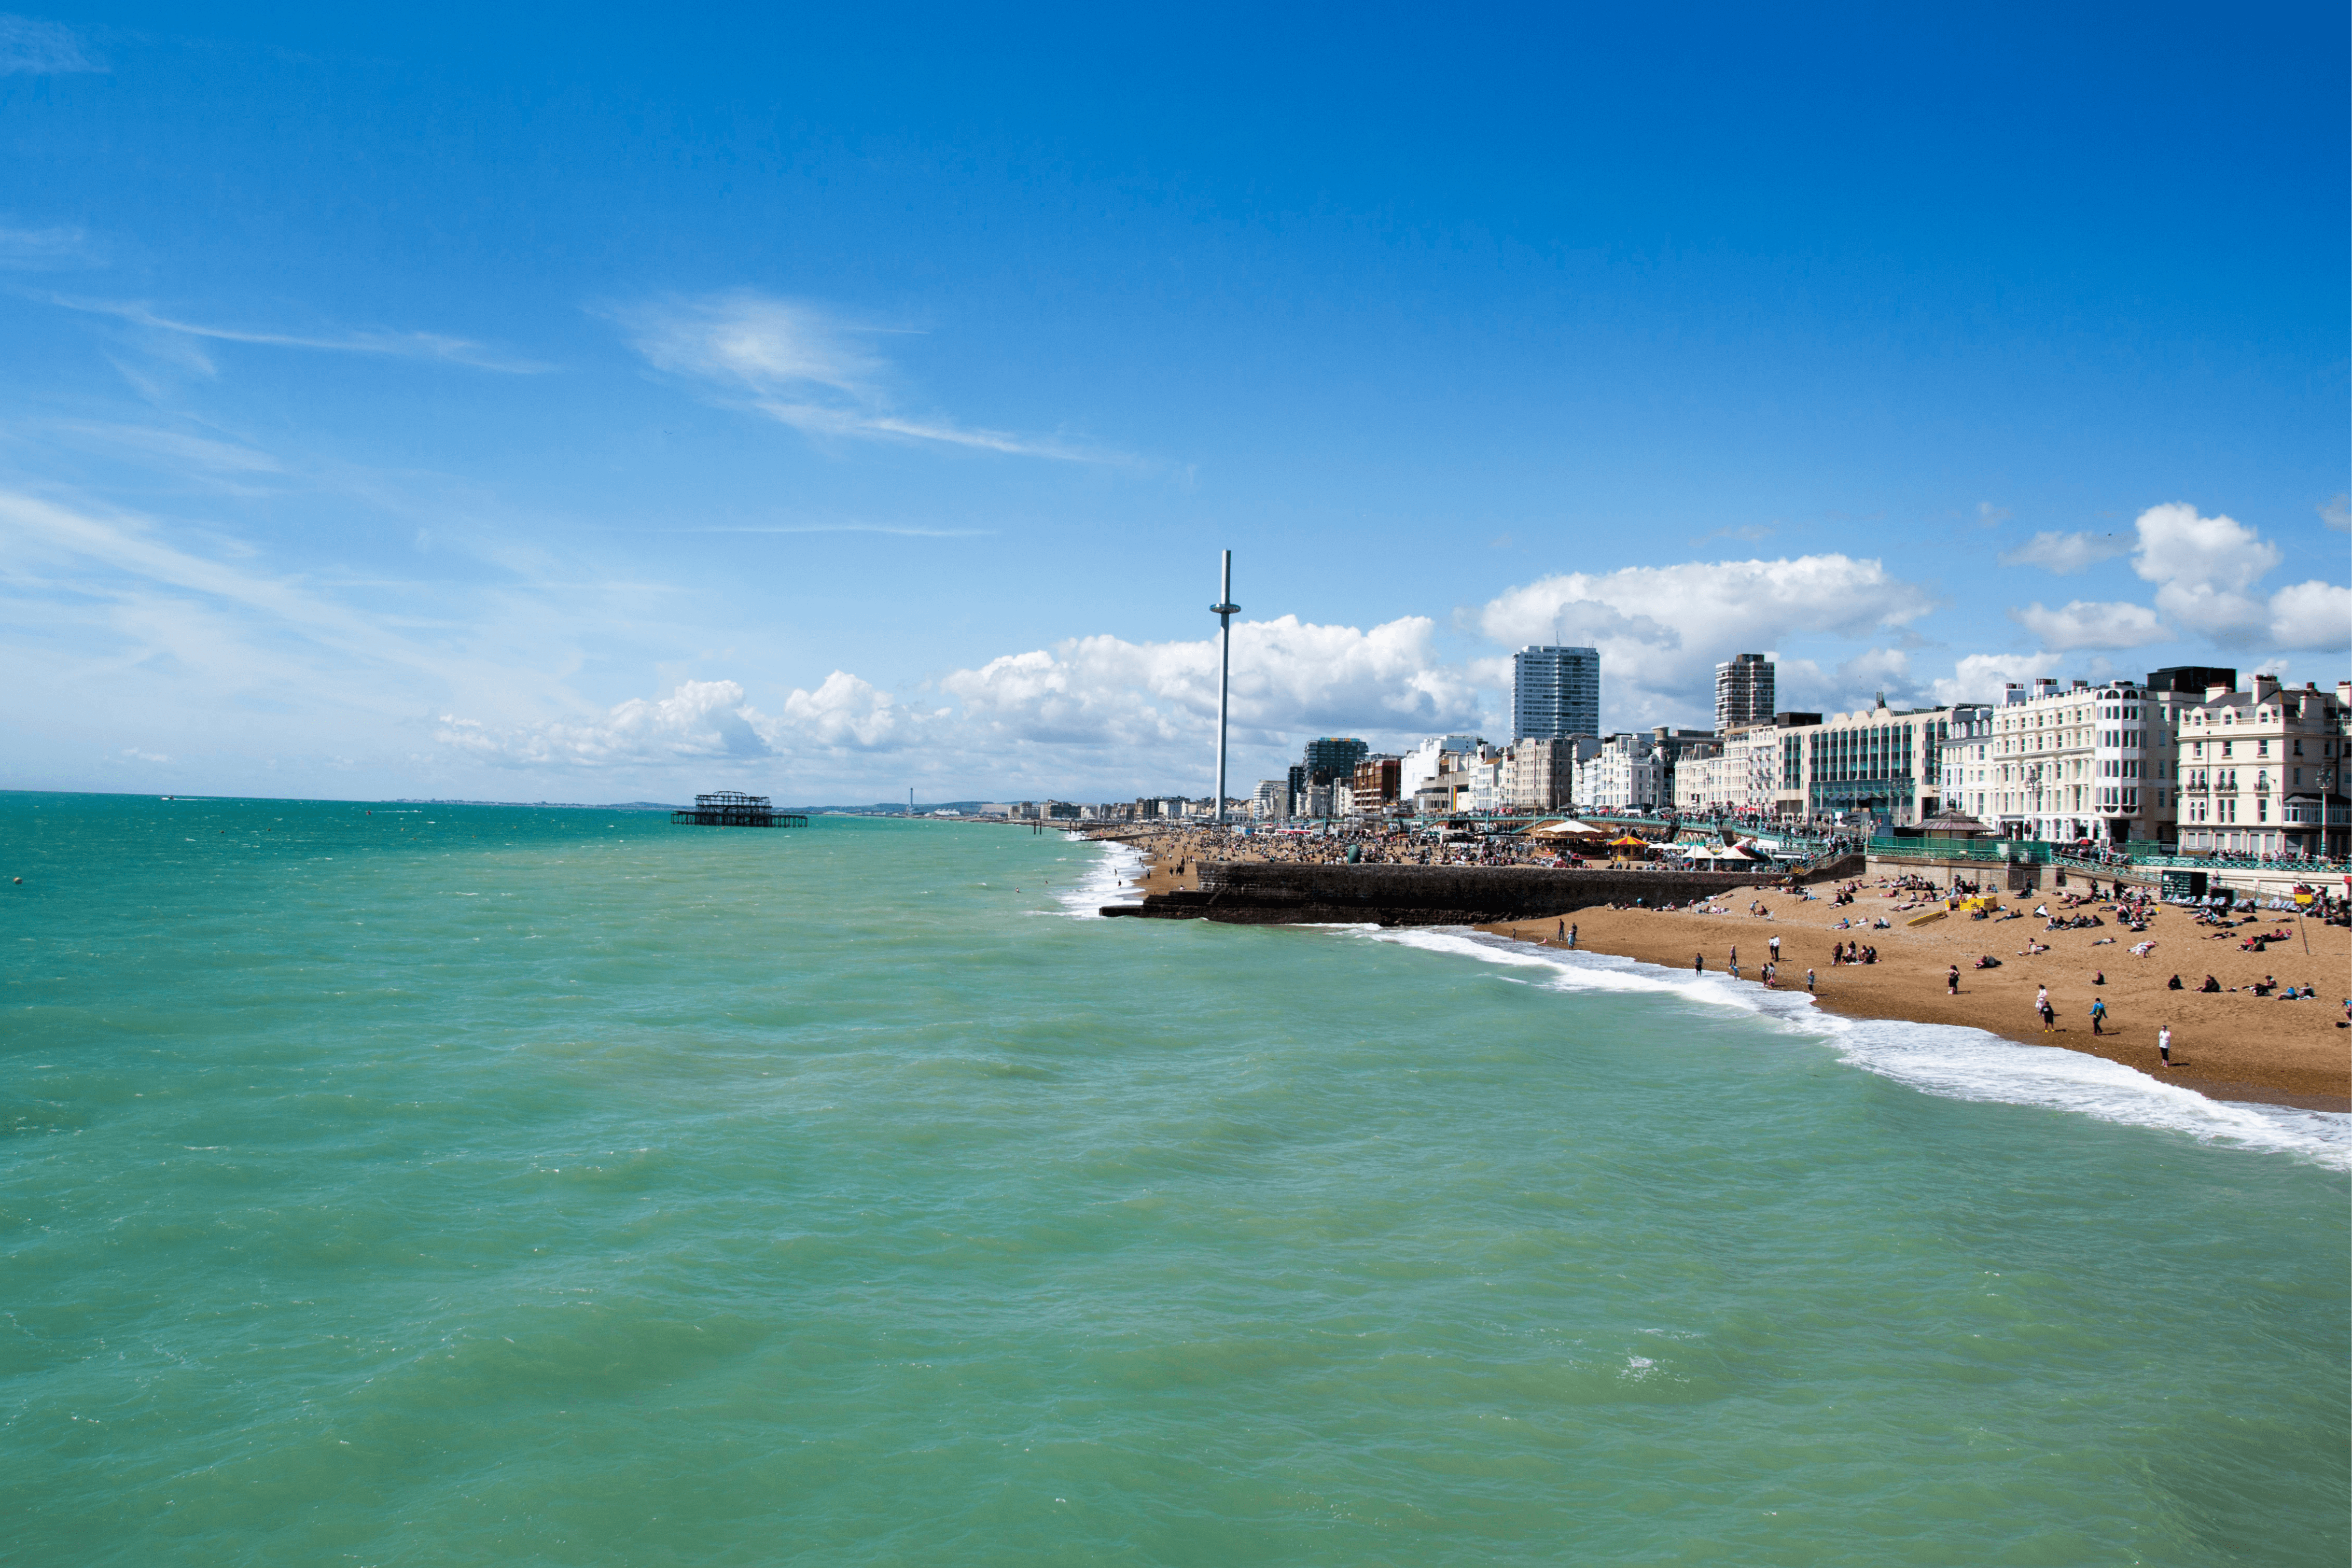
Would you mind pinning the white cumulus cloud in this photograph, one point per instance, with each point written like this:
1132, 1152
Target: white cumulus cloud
2206, 569
1089, 707
1661, 629
700, 721
2312, 615
1981, 677
2084, 623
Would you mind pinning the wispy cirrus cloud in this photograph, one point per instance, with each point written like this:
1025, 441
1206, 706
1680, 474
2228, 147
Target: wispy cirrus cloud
803, 366
35, 249
909, 533
388, 344
173, 447
2063, 553
31, 47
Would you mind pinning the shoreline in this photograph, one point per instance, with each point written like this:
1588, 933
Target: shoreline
2231, 1047
2118, 1047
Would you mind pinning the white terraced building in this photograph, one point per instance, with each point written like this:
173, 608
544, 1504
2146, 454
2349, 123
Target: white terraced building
1627, 773
2262, 771
2068, 761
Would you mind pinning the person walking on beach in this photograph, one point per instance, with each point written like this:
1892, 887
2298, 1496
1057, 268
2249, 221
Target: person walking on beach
1952, 980
1572, 938
2164, 1044
2098, 1014
1775, 945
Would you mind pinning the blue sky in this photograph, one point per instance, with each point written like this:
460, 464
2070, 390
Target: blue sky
438, 403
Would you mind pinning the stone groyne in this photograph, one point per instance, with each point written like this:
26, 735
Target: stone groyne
1260, 892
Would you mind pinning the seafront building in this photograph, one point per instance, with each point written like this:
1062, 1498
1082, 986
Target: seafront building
2184, 754
1433, 757
1624, 773
1744, 692
1373, 787
2262, 771
1336, 755
1555, 691
1540, 772
1876, 765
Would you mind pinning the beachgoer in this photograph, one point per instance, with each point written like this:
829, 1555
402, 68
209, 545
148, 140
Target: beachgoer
2164, 1044
1952, 980
1809, 979
1699, 963
2173, 984
2098, 1014
2049, 1018
1775, 945
1572, 938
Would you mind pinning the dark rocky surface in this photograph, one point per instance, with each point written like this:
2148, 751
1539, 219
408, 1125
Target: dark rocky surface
1254, 892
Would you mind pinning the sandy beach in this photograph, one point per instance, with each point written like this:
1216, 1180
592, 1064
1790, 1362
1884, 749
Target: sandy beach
2233, 1045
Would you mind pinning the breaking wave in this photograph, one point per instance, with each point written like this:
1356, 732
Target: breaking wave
1949, 1059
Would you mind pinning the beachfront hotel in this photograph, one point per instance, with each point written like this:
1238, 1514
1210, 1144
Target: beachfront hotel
2262, 771
1555, 691
2185, 755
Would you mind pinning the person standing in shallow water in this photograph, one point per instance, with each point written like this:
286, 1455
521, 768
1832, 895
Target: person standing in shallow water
1699, 963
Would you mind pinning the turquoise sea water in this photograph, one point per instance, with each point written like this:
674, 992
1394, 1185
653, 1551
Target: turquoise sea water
495, 1186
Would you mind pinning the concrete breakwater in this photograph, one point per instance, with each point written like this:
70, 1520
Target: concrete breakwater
1256, 893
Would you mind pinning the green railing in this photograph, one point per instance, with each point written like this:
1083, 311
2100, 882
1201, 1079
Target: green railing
1989, 851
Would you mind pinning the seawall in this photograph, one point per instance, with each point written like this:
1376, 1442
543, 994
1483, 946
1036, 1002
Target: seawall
1260, 892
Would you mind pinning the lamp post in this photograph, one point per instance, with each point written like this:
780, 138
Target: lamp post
1225, 610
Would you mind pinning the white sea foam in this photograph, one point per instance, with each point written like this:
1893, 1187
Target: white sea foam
1106, 881
1938, 1059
